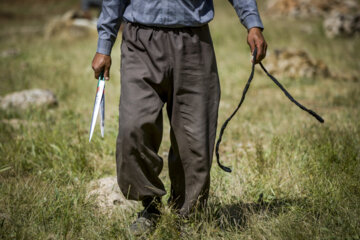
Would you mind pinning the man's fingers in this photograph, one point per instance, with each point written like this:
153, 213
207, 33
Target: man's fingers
97, 72
264, 51
255, 38
101, 64
261, 46
259, 53
107, 69
252, 48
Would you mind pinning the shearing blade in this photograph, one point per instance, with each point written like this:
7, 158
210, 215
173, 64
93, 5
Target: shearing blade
102, 114
98, 97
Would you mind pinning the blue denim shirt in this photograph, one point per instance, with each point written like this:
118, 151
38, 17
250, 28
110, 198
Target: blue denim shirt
165, 13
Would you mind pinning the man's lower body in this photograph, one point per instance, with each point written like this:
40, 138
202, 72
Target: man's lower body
175, 66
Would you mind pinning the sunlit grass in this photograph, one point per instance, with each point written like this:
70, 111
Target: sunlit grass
292, 178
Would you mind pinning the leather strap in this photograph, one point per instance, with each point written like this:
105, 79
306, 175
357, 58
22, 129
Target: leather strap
287, 94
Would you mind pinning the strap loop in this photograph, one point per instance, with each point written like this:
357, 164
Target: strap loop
287, 94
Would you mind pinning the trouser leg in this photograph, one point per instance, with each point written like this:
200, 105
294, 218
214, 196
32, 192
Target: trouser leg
193, 109
176, 66
140, 120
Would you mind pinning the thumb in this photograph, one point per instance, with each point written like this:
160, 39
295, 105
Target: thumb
107, 72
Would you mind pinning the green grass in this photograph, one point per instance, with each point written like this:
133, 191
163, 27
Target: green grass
292, 177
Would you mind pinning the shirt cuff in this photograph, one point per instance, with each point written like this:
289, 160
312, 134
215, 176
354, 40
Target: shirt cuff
252, 21
104, 46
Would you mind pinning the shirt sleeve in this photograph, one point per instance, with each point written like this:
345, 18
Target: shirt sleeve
109, 23
248, 13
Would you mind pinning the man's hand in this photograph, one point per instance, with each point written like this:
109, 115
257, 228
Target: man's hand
101, 63
256, 39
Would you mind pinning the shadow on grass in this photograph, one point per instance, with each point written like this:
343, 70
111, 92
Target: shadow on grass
237, 214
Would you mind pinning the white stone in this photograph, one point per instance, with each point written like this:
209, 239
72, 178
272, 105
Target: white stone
28, 98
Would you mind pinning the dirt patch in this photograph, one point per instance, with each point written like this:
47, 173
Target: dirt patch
299, 64
108, 195
295, 64
339, 24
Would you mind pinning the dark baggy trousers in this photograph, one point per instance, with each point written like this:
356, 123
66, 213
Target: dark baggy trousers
175, 66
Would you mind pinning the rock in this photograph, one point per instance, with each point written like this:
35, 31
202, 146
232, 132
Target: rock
306, 8
290, 7
70, 26
295, 64
28, 98
339, 24
108, 195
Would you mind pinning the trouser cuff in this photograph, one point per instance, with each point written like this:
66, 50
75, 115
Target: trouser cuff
152, 204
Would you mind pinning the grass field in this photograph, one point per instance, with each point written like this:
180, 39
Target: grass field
308, 174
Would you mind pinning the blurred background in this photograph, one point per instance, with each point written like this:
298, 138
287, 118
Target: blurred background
293, 178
